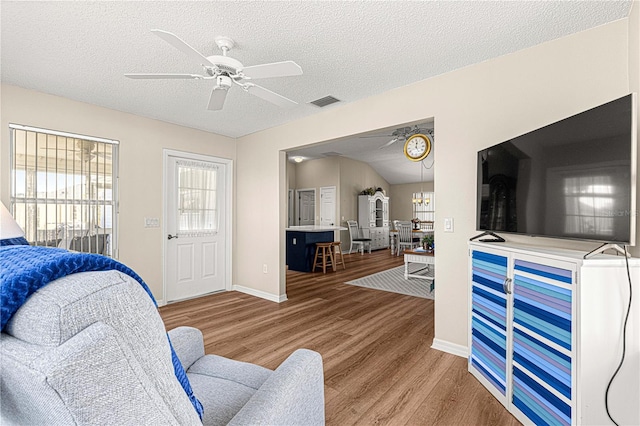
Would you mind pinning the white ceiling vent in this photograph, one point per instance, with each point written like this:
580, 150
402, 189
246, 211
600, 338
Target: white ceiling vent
323, 102
331, 154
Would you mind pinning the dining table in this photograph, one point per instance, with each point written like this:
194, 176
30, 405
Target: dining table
417, 233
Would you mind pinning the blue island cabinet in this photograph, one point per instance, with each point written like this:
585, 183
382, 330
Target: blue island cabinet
301, 248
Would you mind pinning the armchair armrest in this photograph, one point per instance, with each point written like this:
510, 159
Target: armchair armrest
292, 395
188, 344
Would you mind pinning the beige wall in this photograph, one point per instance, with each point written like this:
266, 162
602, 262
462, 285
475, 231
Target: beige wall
401, 208
348, 176
291, 175
354, 177
473, 108
140, 168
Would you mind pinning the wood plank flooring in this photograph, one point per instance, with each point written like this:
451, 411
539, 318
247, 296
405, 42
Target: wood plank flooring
378, 364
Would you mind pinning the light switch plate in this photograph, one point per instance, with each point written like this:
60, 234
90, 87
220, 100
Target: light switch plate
151, 222
448, 224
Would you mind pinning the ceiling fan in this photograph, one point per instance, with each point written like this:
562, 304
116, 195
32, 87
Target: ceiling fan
227, 71
401, 134
84, 150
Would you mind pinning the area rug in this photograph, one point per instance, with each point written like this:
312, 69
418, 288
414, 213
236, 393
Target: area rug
393, 280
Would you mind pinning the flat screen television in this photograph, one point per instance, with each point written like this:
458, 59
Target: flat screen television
575, 178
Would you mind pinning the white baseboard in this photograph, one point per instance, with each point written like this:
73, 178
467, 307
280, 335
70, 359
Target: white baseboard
260, 294
451, 348
160, 302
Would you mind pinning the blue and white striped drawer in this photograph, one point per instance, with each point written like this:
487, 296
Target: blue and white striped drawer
542, 342
536, 402
489, 316
542, 301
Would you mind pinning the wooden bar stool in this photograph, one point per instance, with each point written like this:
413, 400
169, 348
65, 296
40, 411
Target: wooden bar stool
324, 251
337, 250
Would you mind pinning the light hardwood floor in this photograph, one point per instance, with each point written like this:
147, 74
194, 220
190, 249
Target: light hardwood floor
378, 364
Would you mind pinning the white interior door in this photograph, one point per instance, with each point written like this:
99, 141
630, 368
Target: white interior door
328, 205
306, 207
196, 212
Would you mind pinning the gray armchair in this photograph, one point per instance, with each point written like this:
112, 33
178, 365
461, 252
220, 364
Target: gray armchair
91, 348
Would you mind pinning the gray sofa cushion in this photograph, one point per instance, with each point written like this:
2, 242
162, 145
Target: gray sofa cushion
188, 343
224, 386
62, 309
50, 316
243, 373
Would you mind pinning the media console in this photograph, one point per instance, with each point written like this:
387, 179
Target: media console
546, 329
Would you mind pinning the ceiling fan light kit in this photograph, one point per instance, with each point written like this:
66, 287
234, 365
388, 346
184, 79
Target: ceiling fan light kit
227, 71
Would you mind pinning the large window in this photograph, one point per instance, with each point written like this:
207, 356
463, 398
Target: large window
63, 189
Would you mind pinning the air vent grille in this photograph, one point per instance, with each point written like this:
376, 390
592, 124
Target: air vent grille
323, 102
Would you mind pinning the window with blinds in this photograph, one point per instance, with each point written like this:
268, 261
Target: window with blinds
424, 206
64, 189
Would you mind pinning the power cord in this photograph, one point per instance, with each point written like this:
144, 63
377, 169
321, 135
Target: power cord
624, 339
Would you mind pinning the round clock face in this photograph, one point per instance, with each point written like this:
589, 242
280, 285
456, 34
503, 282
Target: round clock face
417, 147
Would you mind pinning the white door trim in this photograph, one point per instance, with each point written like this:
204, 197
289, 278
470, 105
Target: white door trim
291, 208
166, 153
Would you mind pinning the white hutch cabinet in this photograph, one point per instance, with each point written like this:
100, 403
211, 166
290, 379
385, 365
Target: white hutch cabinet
546, 332
373, 219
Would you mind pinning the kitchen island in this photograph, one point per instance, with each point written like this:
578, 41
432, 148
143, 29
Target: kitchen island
301, 244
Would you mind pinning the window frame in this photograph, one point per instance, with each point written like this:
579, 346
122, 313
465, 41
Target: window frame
114, 175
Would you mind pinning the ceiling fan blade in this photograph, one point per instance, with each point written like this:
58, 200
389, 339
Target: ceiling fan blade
270, 96
171, 76
392, 141
276, 69
182, 46
376, 136
216, 100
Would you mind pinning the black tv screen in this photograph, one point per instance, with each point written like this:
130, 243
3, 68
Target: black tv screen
571, 179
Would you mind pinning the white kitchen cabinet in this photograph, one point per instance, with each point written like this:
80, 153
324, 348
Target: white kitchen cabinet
379, 237
546, 333
373, 219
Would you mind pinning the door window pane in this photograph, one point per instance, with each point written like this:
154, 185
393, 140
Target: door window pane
197, 198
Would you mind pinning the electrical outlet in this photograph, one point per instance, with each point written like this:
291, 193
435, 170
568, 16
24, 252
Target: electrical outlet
264, 268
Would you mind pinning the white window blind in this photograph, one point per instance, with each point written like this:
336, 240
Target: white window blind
63, 189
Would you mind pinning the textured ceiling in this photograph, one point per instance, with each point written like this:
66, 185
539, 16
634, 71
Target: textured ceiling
351, 50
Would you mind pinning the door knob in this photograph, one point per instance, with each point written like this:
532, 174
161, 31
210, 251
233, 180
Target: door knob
171, 236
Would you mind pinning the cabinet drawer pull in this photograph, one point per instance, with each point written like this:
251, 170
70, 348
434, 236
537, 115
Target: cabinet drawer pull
506, 285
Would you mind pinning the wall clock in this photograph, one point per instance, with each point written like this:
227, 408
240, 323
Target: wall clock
417, 147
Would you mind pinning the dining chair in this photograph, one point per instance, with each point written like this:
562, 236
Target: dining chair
405, 237
356, 238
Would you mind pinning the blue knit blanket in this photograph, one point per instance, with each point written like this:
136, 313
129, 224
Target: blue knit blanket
25, 269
